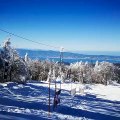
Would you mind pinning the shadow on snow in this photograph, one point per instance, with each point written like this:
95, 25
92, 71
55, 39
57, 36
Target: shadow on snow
34, 97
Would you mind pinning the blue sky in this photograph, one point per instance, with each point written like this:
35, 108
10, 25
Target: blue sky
87, 25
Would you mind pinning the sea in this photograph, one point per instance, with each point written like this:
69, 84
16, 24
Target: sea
68, 57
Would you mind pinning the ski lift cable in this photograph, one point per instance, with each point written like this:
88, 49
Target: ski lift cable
10, 33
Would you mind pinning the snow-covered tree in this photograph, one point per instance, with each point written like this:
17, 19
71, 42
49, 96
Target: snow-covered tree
117, 73
1, 68
49, 75
103, 72
81, 71
14, 65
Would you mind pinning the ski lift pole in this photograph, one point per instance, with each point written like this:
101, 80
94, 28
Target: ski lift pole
49, 98
60, 77
61, 60
49, 91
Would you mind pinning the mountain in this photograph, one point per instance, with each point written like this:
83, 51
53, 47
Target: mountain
48, 54
67, 56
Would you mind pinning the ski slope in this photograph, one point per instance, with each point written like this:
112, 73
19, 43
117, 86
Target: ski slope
30, 101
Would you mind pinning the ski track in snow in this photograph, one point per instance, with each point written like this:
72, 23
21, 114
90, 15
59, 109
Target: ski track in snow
30, 102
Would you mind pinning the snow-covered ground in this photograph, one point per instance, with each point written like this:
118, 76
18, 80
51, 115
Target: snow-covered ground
30, 101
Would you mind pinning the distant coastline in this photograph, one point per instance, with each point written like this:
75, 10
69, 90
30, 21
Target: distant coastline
68, 56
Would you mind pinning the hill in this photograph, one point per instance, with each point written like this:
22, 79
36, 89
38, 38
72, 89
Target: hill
67, 56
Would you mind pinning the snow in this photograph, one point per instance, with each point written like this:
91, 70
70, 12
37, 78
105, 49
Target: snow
4, 84
109, 92
30, 101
